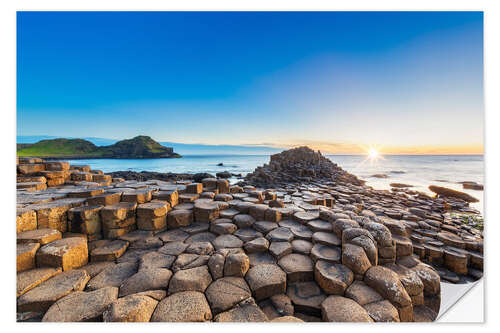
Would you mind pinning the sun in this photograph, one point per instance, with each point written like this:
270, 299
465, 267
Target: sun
373, 153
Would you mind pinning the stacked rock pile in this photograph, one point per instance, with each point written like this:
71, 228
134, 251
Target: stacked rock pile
297, 165
34, 174
208, 251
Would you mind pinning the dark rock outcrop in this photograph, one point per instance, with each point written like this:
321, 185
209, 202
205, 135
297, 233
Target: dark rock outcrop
298, 165
448, 192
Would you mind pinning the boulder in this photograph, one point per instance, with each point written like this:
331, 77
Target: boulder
170, 196
280, 234
27, 280
156, 260
201, 236
179, 218
362, 294
260, 258
154, 294
139, 196
227, 241
302, 232
146, 279
85, 219
273, 215
266, 280
280, 249
118, 212
223, 228
318, 225
113, 276
67, 253
298, 267
382, 311
448, 192
26, 256
257, 245
363, 239
110, 251
332, 278
81, 306
236, 264
243, 221
205, 248
216, 265
223, 185
173, 248
51, 215
246, 311
430, 279
380, 233
42, 236
408, 278
105, 199
184, 306
327, 253
301, 246
95, 268
387, 283
264, 226
189, 260
193, 279
247, 234
423, 314
25, 220
175, 235
206, 210
154, 224
226, 292
354, 257
40, 298
341, 309
306, 297
132, 308
305, 217
149, 243
152, 210
326, 238
282, 304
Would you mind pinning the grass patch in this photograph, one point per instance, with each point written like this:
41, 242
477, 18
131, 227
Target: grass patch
472, 220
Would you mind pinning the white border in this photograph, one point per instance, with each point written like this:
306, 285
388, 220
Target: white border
8, 103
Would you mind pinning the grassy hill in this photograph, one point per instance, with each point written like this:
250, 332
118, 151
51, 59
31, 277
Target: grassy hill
138, 147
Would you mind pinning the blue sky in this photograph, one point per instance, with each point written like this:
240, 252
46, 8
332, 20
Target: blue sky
339, 81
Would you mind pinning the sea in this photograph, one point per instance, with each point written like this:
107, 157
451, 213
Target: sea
417, 170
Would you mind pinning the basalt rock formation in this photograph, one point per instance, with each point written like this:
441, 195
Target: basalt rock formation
297, 165
95, 248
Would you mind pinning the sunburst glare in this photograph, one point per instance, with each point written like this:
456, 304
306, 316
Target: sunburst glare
373, 153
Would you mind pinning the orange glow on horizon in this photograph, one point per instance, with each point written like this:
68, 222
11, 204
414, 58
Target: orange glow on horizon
371, 150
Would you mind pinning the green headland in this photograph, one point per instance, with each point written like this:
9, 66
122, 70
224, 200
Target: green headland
138, 147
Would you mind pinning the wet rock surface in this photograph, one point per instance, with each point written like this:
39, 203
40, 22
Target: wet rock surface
299, 239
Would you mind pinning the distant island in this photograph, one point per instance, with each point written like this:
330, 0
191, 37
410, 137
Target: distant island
180, 148
138, 147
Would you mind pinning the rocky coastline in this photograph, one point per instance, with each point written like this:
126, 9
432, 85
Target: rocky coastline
299, 239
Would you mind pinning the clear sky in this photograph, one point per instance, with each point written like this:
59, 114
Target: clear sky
338, 81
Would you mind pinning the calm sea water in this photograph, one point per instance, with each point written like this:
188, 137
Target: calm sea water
420, 171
